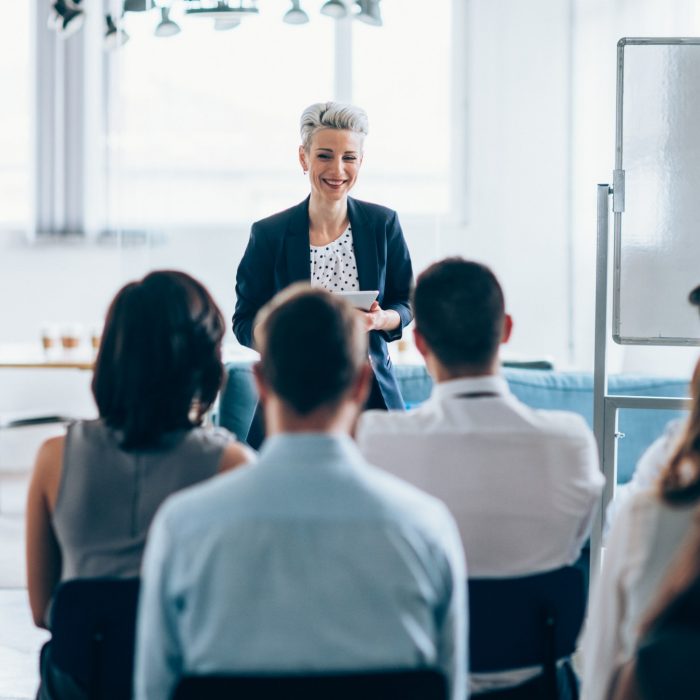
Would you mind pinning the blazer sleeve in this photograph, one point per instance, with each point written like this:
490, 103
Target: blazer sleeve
254, 283
399, 278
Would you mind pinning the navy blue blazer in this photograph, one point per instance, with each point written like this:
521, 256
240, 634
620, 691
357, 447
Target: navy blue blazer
278, 255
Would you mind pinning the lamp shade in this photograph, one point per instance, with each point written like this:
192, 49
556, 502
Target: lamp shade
137, 5
295, 15
66, 18
334, 8
223, 25
369, 12
223, 11
166, 27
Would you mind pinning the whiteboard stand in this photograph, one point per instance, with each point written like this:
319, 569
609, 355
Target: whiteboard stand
606, 406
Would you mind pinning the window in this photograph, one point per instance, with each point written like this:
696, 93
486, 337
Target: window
402, 77
203, 126
15, 122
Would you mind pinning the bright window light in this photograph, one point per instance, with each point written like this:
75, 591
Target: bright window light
402, 77
15, 121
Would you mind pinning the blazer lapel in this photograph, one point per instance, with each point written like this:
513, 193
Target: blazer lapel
297, 244
363, 238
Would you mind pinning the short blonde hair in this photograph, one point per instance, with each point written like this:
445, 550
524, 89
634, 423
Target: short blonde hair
331, 115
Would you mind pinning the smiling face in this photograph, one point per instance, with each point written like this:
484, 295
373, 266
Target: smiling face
333, 163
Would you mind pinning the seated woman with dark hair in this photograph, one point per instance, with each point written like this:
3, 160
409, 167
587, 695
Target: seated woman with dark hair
95, 491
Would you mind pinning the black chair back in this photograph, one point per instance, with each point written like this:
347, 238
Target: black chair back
93, 624
391, 685
526, 621
667, 654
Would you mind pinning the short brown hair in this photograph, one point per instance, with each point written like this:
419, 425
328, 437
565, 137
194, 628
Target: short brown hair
459, 310
160, 354
312, 347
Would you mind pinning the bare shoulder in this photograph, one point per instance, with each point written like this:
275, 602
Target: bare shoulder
234, 455
48, 464
50, 455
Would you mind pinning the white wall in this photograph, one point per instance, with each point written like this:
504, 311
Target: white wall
518, 166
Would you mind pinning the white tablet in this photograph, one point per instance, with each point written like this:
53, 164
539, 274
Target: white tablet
360, 300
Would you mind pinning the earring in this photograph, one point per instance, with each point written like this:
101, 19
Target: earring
304, 172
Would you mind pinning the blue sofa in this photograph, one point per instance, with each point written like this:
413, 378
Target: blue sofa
565, 391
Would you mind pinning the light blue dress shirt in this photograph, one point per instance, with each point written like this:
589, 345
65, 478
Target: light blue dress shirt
311, 560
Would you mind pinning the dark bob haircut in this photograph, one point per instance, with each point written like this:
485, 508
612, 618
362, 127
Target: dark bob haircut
312, 347
159, 366
459, 311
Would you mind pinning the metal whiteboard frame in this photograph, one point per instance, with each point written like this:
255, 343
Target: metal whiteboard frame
618, 190
606, 406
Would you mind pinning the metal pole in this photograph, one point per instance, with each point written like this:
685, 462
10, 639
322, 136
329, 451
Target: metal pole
600, 375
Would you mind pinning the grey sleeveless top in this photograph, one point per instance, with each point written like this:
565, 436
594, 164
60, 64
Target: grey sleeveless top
107, 497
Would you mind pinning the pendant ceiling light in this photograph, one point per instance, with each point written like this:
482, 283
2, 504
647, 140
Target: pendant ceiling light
138, 5
166, 27
369, 12
223, 25
334, 8
114, 36
66, 17
295, 15
223, 11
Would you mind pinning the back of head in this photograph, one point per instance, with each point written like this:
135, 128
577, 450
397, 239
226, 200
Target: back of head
331, 115
312, 348
159, 365
459, 310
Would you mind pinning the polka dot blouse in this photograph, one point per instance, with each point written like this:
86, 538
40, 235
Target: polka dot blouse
333, 266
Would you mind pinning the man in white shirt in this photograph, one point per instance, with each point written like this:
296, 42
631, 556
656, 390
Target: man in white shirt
522, 484
311, 560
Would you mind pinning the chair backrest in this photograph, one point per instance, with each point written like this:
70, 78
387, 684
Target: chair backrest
666, 657
422, 684
525, 621
93, 624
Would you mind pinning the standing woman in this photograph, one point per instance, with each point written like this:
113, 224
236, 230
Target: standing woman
332, 241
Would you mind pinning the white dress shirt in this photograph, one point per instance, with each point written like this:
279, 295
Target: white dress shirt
521, 483
312, 560
642, 544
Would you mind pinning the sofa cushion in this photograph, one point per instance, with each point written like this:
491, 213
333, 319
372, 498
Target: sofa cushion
545, 389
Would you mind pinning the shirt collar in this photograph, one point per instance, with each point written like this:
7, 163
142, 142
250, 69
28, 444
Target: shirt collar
494, 384
310, 448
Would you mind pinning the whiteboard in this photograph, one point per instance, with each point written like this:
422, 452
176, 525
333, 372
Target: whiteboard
657, 236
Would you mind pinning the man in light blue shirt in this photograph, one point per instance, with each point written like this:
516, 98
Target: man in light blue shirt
312, 560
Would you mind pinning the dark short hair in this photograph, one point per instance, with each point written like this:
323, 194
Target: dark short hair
459, 310
694, 296
312, 347
159, 358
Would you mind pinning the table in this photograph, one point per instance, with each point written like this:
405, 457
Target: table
33, 356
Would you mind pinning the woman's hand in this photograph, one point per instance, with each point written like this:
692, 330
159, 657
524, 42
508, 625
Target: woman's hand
377, 319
